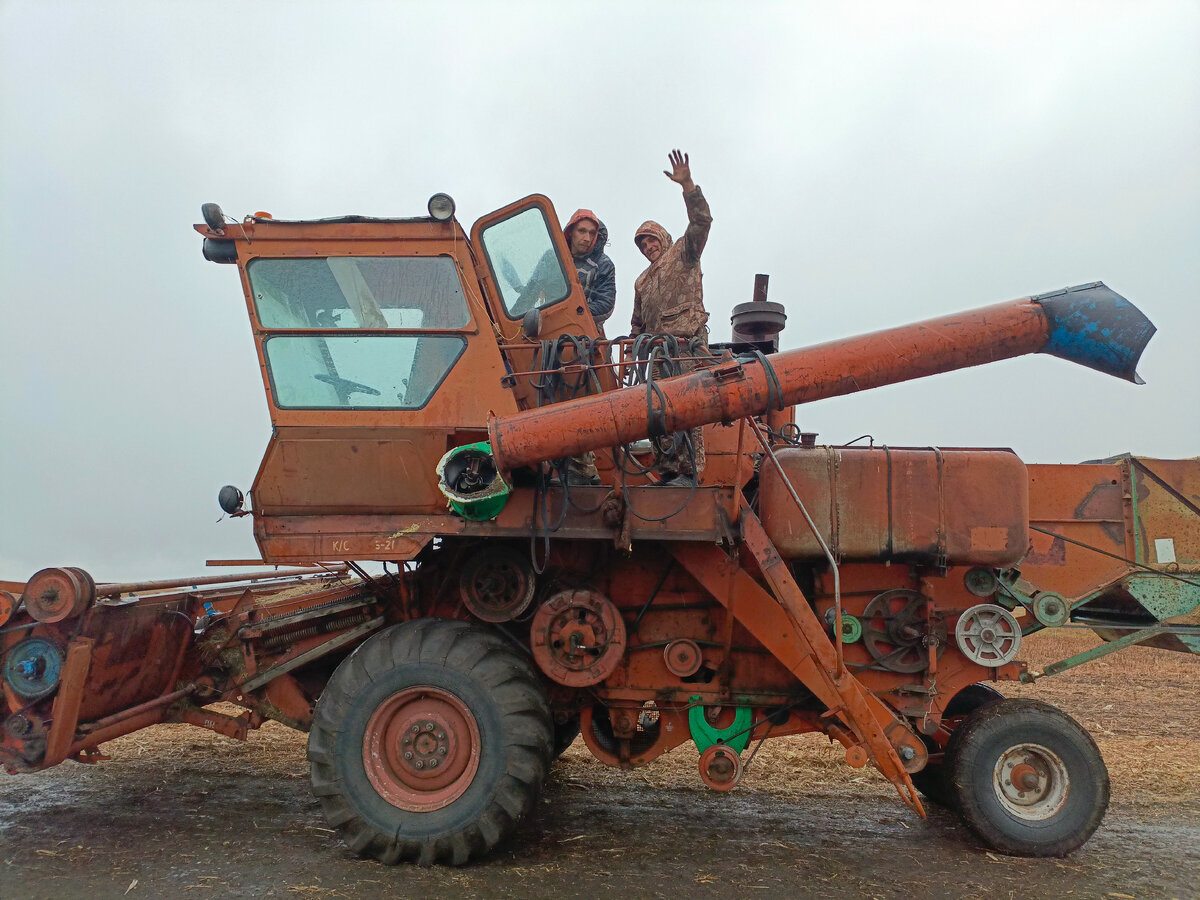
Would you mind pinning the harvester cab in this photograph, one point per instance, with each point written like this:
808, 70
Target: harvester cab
423, 383
400, 329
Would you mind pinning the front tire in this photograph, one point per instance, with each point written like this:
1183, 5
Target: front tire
1027, 778
429, 743
934, 781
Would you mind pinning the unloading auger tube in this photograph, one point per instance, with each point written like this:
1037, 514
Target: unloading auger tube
1089, 324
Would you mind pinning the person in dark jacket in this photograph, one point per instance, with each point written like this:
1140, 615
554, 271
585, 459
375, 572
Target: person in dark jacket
586, 237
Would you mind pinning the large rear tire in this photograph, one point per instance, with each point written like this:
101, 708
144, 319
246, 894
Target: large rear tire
429, 743
933, 781
1027, 778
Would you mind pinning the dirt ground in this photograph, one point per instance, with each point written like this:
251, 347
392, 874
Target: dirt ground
182, 813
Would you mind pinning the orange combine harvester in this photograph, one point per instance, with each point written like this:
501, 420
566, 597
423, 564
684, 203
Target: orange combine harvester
426, 388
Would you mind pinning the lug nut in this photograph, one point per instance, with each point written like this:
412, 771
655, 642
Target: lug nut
433, 763
408, 754
419, 764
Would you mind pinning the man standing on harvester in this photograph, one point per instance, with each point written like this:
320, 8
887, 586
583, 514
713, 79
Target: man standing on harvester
586, 237
669, 300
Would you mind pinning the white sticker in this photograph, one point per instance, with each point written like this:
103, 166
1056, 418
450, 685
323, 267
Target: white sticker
1164, 549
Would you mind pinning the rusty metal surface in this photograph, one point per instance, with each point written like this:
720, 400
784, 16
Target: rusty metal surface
650, 610
798, 640
134, 661
53, 595
930, 506
1092, 524
8, 605
1167, 509
730, 391
65, 712
577, 637
661, 514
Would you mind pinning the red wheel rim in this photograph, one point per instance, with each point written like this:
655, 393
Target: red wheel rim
421, 749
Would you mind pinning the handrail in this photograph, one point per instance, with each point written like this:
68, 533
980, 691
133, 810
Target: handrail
837, 582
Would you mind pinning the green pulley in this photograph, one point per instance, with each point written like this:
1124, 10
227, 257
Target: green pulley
736, 736
851, 626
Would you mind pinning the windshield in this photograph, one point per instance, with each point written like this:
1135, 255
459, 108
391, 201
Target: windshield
358, 292
362, 372
341, 294
524, 263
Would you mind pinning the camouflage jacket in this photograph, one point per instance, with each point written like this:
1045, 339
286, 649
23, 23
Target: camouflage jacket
668, 296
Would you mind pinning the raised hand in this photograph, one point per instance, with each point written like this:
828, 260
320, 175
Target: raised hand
682, 171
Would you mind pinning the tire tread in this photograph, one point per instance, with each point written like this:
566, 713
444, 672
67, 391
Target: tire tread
473, 651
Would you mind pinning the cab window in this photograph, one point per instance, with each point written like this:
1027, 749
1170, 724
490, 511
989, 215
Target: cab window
337, 296
359, 372
358, 292
525, 265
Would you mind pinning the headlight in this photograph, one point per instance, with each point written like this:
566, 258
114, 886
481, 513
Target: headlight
441, 207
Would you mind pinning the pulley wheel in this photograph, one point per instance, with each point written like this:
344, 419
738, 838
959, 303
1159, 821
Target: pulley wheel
33, 668
683, 657
988, 635
1051, 609
851, 625
720, 767
497, 584
895, 631
8, 605
981, 582
53, 595
578, 637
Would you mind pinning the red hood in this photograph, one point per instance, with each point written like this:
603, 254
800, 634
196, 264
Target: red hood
579, 216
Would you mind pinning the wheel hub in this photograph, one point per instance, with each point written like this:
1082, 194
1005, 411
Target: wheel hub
578, 637
497, 585
1031, 782
421, 749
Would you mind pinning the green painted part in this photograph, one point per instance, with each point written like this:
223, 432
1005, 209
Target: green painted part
1162, 596
705, 735
1103, 650
1051, 609
1192, 643
1139, 551
481, 510
488, 503
851, 629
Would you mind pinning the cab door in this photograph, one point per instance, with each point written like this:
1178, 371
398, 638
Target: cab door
524, 264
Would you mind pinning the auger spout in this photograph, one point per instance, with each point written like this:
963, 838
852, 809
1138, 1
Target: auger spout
1090, 325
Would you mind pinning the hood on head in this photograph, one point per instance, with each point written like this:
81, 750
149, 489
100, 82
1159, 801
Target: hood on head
601, 232
652, 229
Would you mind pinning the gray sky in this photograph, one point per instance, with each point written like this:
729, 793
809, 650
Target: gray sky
883, 162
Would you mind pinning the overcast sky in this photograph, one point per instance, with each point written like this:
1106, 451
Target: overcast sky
883, 162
